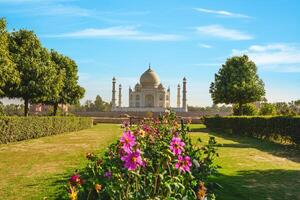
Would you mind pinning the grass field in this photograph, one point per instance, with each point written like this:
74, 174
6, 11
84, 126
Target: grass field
251, 169
38, 168
254, 169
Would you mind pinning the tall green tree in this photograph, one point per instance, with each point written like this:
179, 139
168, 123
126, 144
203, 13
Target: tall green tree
100, 105
9, 76
54, 79
70, 92
34, 65
237, 82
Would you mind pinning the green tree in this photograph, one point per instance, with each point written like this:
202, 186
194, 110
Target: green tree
101, 105
267, 109
237, 82
70, 92
34, 66
283, 108
9, 76
247, 109
54, 79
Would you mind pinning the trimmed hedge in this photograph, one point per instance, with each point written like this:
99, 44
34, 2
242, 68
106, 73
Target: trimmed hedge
276, 127
14, 129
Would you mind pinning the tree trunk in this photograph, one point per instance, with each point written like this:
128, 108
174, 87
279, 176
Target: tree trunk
26, 107
240, 109
55, 107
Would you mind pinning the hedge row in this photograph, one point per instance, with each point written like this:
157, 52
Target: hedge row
277, 127
22, 128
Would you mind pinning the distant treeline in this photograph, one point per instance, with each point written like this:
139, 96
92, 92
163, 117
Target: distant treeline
98, 105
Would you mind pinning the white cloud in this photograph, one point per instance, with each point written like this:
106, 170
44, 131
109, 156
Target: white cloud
60, 9
274, 57
119, 32
222, 32
206, 46
222, 13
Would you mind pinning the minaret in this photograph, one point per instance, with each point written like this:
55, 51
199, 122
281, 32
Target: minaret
113, 99
120, 96
178, 96
129, 100
184, 105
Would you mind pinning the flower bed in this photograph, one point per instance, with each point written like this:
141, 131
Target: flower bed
154, 160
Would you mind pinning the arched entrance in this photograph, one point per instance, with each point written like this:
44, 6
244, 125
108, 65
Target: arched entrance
149, 100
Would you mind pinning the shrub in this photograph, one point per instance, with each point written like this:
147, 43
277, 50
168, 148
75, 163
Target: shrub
267, 109
153, 160
286, 128
22, 128
247, 109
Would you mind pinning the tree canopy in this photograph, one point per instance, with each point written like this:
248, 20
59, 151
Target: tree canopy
237, 82
9, 76
33, 73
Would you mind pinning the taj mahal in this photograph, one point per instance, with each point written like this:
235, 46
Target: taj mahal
149, 95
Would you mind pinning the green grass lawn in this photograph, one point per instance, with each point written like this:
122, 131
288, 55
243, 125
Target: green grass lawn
254, 169
38, 168
251, 169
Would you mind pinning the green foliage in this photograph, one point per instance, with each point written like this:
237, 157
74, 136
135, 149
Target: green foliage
267, 109
14, 129
284, 128
11, 110
32, 73
237, 82
89, 106
283, 108
37, 73
247, 109
71, 92
101, 105
9, 77
65, 88
158, 177
211, 109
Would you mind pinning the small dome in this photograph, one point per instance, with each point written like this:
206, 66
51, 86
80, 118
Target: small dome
137, 85
160, 86
149, 78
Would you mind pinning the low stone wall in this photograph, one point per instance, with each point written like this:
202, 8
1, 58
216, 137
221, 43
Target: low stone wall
146, 114
120, 117
136, 120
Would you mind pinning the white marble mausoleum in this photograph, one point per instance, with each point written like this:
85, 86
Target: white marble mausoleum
149, 95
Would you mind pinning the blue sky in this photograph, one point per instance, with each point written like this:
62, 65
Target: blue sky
180, 38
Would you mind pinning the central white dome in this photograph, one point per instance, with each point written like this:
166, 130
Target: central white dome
149, 78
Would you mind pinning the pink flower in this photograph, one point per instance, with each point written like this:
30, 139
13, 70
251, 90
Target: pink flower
177, 145
183, 163
146, 128
76, 180
128, 141
133, 160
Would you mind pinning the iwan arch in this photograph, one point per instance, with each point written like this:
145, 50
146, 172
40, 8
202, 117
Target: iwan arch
149, 95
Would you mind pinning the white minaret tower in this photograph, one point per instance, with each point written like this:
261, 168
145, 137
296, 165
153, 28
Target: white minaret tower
113, 99
178, 96
120, 96
184, 105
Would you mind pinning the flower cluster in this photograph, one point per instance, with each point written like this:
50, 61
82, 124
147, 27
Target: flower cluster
177, 147
151, 160
127, 141
131, 157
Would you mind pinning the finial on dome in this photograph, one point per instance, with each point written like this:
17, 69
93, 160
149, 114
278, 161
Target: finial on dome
149, 65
